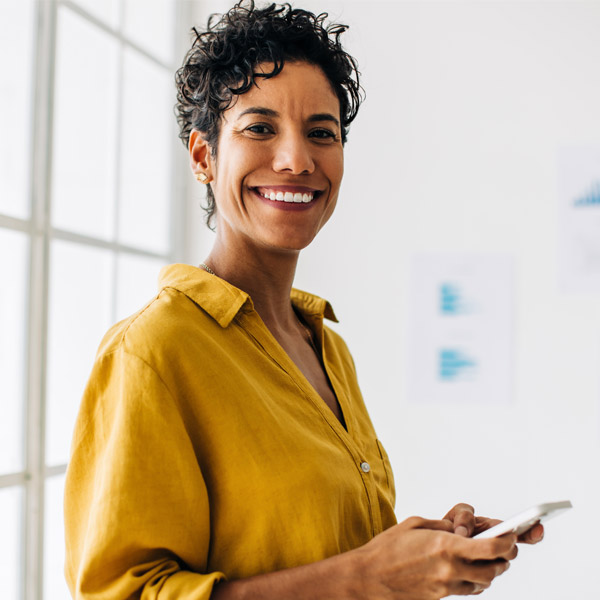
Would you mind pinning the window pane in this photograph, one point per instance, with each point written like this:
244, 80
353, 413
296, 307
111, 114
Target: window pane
79, 315
107, 10
84, 128
55, 586
16, 44
137, 279
13, 314
151, 24
147, 135
10, 547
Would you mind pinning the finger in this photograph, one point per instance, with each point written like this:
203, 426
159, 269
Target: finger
482, 572
420, 523
458, 508
464, 523
533, 535
463, 517
504, 547
484, 523
466, 588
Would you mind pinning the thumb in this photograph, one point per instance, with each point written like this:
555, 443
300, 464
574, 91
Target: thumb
436, 524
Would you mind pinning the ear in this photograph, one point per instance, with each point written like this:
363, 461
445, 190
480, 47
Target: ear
200, 157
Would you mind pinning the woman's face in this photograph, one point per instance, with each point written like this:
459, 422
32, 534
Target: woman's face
280, 160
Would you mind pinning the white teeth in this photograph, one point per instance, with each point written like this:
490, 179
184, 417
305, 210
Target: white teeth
288, 197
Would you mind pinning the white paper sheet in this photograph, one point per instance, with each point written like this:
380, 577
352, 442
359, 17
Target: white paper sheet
461, 328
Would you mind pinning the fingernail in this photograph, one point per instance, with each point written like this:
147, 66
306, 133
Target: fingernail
462, 530
537, 536
507, 567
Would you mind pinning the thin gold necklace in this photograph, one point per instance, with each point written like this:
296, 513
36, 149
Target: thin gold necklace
207, 269
306, 329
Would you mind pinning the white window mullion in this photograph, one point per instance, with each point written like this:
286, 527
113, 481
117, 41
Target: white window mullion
12, 479
38, 295
179, 162
54, 471
14, 223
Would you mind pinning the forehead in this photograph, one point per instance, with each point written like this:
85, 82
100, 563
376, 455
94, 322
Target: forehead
301, 88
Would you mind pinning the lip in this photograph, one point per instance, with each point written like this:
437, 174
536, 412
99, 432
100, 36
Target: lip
289, 206
293, 189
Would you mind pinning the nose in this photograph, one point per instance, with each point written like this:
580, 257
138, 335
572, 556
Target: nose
293, 155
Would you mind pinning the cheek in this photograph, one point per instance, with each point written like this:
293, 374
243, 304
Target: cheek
232, 171
242, 163
341, 169
337, 169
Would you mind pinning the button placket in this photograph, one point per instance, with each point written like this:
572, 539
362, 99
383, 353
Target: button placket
270, 346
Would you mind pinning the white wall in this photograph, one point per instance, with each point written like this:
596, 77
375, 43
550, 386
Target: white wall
455, 149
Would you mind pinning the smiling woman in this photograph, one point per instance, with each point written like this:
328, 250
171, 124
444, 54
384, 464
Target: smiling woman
281, 138
223, 448
248, 45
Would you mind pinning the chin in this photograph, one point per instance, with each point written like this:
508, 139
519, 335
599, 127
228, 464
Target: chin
289, 243
290, 247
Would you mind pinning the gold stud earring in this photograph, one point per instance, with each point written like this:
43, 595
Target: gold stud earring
202, 177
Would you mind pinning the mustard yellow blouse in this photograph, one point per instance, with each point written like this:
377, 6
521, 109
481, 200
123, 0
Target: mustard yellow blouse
201, 452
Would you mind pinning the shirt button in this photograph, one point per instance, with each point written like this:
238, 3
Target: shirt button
365, 467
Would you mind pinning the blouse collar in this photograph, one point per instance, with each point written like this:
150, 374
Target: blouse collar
223, 301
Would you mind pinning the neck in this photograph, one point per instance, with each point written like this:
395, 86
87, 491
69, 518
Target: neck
266, 275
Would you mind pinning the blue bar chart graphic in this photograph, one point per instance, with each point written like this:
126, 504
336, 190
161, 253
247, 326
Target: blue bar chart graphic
460, 330
579, 219
455, 365
449, 299
452, 300
590, 198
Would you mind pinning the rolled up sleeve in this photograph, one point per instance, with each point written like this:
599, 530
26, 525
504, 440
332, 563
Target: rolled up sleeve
137, 515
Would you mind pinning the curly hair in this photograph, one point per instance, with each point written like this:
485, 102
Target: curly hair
222, 64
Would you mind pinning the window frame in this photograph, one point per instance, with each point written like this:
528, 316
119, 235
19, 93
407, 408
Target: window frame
40, 232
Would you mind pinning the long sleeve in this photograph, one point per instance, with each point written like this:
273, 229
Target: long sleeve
136, 504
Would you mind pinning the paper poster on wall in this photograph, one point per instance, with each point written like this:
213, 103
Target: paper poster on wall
461, 328
579, 219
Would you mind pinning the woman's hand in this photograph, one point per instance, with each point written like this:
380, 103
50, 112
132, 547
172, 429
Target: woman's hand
418, 559
421, 559
465, 523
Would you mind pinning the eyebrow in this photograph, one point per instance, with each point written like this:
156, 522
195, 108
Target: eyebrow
323, 117
269, 112
258, 110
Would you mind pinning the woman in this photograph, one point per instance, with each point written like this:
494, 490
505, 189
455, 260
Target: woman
223, 449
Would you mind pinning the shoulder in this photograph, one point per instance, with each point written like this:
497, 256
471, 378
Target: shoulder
191, 302
130, 367
161, 322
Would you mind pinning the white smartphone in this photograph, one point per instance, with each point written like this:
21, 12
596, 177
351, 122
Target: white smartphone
527, 519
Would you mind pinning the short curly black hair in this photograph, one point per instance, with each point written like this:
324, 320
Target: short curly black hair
222, 61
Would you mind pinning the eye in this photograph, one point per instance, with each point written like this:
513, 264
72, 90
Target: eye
322, 134
259, 129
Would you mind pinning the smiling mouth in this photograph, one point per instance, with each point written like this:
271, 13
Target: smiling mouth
291, 197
